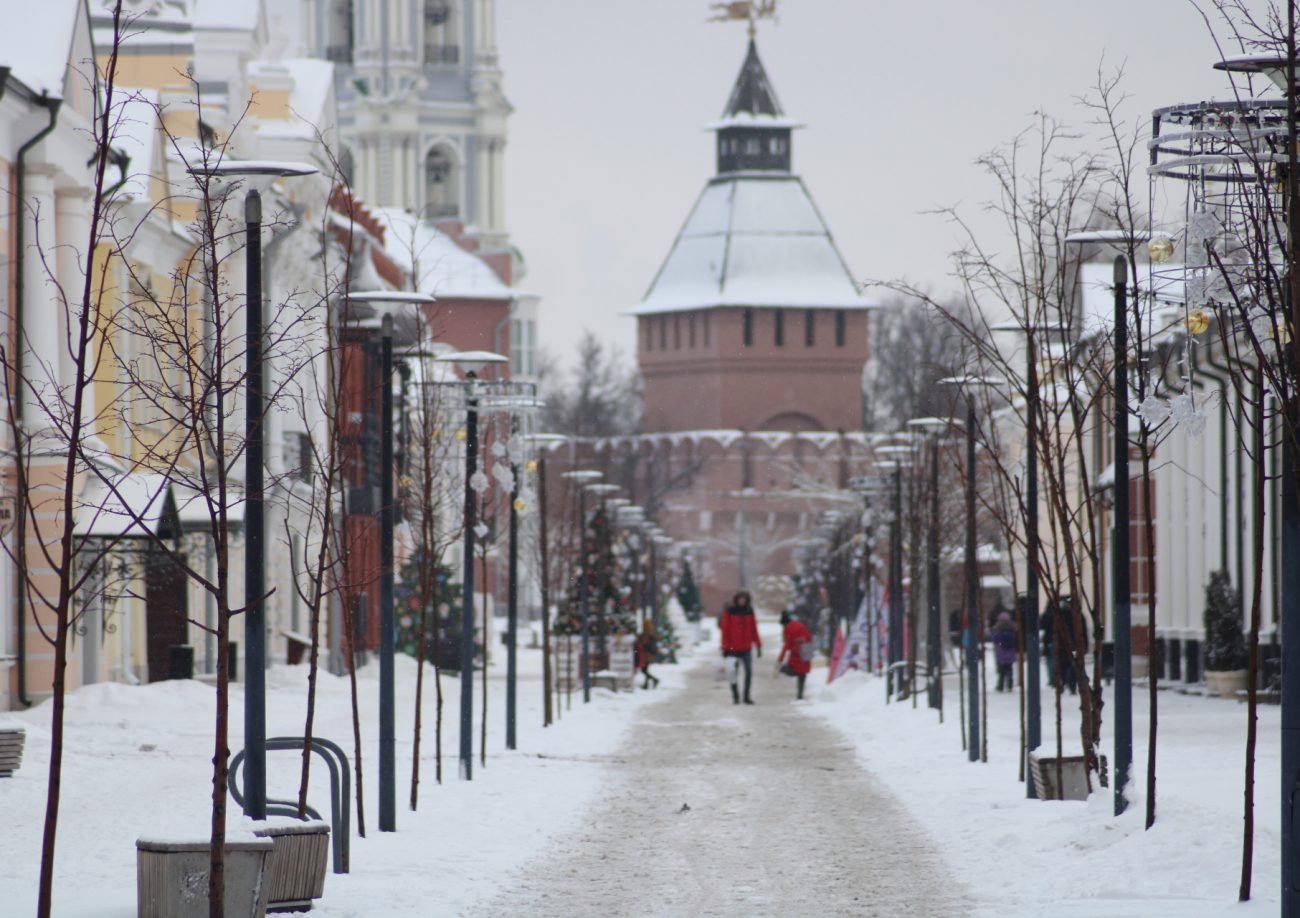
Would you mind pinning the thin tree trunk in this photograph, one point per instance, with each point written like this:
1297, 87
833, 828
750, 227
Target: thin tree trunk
419, 692
349, 624
1149, 536
220, 770
45, 901
482, 739
1252, 700
961, 697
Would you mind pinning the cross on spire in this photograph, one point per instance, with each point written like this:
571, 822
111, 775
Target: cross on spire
749, 11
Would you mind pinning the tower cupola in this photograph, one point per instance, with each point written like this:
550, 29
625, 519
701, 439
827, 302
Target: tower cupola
753, 134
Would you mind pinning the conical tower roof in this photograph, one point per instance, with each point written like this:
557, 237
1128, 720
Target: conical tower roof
755, 237
753, 93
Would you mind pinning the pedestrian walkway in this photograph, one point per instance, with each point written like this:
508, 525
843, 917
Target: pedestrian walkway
715, 809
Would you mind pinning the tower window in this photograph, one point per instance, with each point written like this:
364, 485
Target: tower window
747, 331
778, 328
663, 333
677, 332
841, 327
690, 330
440, 46
706, 329
646, 336
809, 327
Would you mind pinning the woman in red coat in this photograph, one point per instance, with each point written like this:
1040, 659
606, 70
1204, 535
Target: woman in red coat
739, 641
795, 638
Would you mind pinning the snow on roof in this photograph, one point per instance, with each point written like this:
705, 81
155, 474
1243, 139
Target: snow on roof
312, 81
135, 133
750, 120
37, 51
753, 240
132, 507
445, 269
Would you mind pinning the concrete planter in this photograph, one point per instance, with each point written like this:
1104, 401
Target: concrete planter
171, 877
295, 871
1074, 778
1226, 683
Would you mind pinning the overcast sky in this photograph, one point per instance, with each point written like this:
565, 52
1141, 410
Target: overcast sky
607, 151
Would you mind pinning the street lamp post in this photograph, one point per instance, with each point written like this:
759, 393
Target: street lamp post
545, 441
897, 462
385, 302
933, 577
254, 451
579, 476
471, 362
1120, 553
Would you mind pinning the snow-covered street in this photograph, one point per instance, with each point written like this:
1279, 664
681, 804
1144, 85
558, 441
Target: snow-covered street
718, 809
840, 805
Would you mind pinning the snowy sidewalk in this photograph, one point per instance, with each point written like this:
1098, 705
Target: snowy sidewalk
781, 821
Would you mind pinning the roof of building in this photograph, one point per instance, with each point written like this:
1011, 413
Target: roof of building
753, 92
445, 270
38, 51
753, 239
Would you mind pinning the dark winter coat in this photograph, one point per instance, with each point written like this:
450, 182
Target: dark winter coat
647, 650
1004, 640
795, 635
739, 629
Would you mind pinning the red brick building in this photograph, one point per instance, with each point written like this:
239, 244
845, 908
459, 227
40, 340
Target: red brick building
751, 341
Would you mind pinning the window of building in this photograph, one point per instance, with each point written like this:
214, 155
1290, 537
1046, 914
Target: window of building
747, 332
663, 333
339, 37
690, 330
809, 327
706, 329
778, 328
646, 335
841, 327
677, 332
441, 184
440, 45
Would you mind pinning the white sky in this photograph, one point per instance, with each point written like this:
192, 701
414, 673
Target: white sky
607, 152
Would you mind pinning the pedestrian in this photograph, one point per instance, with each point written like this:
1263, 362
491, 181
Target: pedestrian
1004, 649
647, 652
796, 650
740, 641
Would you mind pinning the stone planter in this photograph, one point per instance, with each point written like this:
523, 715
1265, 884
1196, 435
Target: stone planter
1226, 683
295, 871
1074, 780
171, 877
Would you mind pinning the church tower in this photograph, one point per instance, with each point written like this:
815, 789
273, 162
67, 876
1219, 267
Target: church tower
754, 321
421, 107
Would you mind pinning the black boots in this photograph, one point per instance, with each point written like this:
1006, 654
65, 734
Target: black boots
735, 695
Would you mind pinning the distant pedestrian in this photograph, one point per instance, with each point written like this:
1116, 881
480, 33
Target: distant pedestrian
796, 650
647, 652
740, 642
1004, 649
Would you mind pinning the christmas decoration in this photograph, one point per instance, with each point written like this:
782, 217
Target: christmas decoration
609, 609
688, 594
439, 613
1225, 647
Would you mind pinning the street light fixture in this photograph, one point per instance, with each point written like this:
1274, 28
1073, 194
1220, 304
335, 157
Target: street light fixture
934, 587
259, 175
545, 442
471, 363
579, 476
386, 303
901, 460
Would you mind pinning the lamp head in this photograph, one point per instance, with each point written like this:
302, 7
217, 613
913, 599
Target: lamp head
472, 362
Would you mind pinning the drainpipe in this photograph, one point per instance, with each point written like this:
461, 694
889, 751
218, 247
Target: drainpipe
51, 105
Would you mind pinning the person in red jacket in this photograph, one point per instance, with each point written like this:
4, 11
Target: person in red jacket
796, 640
740, 640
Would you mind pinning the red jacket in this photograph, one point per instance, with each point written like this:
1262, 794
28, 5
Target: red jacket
739, 629
796, 634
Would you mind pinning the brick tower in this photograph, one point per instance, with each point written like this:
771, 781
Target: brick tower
753, 322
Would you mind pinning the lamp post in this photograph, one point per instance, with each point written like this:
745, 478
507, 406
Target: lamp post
933, 576
545, 442
471, 362
385, 302
974, 617
257, 173
899, 459
579, 476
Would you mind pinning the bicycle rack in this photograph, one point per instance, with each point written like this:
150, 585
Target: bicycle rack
340, 790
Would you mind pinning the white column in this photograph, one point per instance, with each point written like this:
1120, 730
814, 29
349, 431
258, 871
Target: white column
39, 336
74, 241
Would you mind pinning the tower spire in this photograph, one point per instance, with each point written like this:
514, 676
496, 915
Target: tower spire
753, 134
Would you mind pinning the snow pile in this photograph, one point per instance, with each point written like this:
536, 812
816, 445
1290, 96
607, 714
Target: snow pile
1022, 857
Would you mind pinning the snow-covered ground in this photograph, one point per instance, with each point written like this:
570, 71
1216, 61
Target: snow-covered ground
138, 764
1027, 858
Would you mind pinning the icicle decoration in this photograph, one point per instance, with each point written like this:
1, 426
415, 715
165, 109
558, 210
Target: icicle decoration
1154, 411
478, 482
481, 530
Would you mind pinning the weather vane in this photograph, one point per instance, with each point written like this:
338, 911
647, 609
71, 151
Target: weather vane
744, 10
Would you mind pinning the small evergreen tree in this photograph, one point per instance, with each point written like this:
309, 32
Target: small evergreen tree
1225, 646
609, 608
688, 594
443, 626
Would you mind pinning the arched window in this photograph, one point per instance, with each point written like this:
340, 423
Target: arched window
441, 185
338, 28
440, 44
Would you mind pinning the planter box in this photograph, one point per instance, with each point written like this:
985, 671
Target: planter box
1074, 781
1226, 683
295, 871
171, 878
12, 740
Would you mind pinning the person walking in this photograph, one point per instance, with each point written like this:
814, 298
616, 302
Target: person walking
740, 642
796, 650
1004, 649
647, 650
